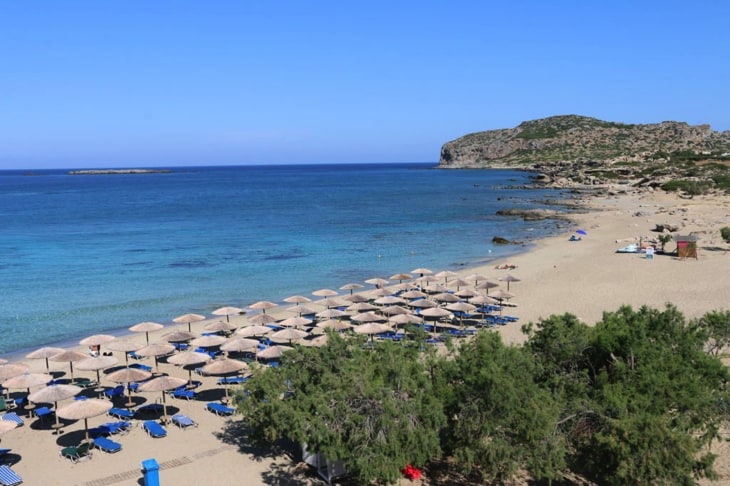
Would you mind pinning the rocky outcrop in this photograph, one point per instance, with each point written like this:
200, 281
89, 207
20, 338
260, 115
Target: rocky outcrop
571, 138
570, 150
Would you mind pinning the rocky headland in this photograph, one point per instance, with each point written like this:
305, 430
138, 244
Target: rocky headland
579, 151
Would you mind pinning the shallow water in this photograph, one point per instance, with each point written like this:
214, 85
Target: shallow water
88, 254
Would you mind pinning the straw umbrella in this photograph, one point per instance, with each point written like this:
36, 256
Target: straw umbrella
189, 358
394, 310
262, 319
356, 298
162, 384
127, 376
208, 341
124, 345
156, 350
295, 322
466, 293
461, 307
225, 366
446, 297
390, 300
330, 314
362, 307
288, 334
334, 324
351, 287
228, 312
54, 393
414, 294
400, 277
239, 345
458, 283
68, 356
251, 331
368, 317
301, 310
178, 336
272, 352
446, 274
486, 285
188, 319
220, 326
97, 340
372, 328
97, 363
13, 369
146, 328
7, 426
317, 342
508, 278
422, 271
84, 409
28, 381
44, 353
437, 313
263, 305
325, 293
297, 299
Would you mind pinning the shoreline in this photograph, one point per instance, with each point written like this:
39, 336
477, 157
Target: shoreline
556, 275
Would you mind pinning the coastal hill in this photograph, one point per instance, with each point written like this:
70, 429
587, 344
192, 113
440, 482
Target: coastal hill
586, 150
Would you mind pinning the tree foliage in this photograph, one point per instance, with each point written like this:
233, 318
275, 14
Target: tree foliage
500, 419
635, 399
371, 407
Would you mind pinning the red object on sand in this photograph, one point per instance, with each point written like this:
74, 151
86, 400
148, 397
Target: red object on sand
411, 472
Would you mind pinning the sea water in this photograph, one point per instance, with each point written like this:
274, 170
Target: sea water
86, 254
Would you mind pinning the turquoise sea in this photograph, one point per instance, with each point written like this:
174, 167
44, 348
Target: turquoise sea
85, 254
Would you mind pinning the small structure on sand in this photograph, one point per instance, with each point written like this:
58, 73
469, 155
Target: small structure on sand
686, 246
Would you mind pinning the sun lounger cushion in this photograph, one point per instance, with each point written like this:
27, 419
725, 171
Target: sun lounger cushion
183, 421
183, 393
13, 417
220, 409
8, 477
82, 451
107, 445
154, 429
121, 413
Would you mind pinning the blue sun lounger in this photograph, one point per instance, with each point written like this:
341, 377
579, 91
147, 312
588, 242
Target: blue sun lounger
184, 393
107, 445
121, 413
183, 421
8, 477
154, 429
13, 417
220, 409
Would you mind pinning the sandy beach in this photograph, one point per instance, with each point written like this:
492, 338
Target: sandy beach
583, 277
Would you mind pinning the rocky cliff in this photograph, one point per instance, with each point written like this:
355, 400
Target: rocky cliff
587, 150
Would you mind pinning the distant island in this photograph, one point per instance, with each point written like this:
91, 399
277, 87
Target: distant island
570, 149
118, 171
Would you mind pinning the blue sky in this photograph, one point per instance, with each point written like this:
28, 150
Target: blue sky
159, 83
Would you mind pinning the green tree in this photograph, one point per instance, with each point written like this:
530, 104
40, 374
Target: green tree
655, 400
371, 407
501, 421
716, 326
664, 238
725, 234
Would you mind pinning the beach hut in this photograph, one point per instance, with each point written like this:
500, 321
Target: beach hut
686, 246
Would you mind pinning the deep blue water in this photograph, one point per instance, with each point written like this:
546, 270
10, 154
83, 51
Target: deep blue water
86, 254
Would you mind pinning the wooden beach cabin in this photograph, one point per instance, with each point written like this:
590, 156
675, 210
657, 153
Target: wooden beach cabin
686, 246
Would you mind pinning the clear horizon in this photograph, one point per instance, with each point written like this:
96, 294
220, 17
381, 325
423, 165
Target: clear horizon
140, 84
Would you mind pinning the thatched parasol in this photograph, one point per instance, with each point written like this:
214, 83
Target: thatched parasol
54, 393
162, 384
189, 358
44, 353
97, 363
84, 409
146, 328
127, 376
69, 356
188, 318
156, 350
250, 331
288, 334
12, 369
227, 311
124, 345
